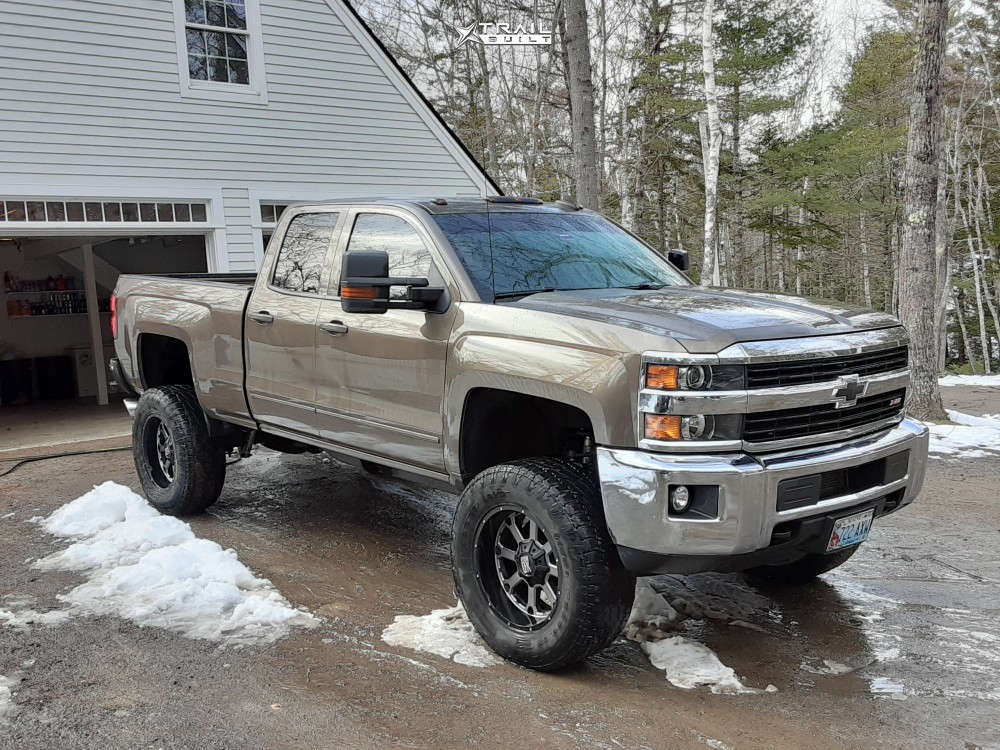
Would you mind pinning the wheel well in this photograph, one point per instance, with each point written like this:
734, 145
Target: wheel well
500, 426
163, 361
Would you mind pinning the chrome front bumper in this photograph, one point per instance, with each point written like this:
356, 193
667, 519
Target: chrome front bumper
634, 486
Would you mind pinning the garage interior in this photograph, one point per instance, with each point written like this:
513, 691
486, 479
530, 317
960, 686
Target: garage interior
55, 333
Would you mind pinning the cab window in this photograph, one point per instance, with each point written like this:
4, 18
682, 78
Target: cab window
299, 266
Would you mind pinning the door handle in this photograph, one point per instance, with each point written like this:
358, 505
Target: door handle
334, 328
263, 317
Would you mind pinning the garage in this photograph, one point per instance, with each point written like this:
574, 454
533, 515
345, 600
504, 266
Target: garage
55, 335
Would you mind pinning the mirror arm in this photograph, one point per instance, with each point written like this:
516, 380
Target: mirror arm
374, 281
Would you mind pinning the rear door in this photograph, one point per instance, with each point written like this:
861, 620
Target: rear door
381, 377
280, 329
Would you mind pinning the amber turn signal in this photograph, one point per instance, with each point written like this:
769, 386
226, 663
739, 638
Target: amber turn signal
358, 292
663, 377
663, 427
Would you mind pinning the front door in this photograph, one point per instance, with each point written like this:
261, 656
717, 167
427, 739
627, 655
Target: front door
380, 378
281, 324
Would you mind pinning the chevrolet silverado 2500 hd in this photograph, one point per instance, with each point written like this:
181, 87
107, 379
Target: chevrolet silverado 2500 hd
602, 416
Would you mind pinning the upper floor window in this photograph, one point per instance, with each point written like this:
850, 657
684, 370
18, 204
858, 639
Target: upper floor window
219, 49
216, 33
300, 262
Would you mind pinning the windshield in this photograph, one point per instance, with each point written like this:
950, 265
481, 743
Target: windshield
507, 253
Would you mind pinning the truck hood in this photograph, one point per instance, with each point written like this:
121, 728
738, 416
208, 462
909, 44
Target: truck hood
707, 320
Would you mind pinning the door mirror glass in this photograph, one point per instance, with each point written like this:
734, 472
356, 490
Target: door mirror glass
358, 291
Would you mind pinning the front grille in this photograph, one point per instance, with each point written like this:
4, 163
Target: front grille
816, 420
803, 371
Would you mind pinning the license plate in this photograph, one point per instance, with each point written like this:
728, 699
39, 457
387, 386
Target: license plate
850, 530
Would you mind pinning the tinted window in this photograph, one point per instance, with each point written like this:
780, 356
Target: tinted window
511, 252
303, 253
408, 256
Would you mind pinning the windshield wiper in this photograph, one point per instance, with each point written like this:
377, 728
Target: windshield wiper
521, 293
644, 285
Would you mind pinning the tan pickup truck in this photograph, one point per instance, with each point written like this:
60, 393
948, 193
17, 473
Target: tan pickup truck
602, 416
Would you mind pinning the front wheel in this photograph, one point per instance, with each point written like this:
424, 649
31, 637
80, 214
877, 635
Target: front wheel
181, 468
534, 565
801, 571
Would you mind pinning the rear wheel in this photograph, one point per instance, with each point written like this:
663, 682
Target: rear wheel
181, 468
534, 565
801, 571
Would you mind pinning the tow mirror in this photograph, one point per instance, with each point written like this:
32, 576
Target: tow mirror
680, 259
365, 283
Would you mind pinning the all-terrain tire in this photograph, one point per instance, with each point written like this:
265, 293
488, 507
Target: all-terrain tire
801, 571
198, 470
595, 591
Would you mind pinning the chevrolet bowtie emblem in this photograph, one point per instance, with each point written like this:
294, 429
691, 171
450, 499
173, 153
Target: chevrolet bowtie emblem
849, 389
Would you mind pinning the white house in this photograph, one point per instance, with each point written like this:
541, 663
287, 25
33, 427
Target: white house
166, 135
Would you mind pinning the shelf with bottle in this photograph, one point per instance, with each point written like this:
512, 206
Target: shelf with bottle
52, 303
14, 285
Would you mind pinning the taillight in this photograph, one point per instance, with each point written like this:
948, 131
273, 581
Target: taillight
114, 316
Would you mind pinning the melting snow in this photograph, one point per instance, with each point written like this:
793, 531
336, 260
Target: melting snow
153, 570
685, 662
445, 632
689, 664
7, 686
971, 437
829, 667
23, 618
887, 687
949, 380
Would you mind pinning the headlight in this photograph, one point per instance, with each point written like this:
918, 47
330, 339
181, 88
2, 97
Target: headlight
693, 426
694, 377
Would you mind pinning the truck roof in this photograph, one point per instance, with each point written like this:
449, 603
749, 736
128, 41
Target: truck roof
459, 204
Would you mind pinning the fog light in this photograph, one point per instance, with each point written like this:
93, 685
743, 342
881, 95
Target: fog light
680, 498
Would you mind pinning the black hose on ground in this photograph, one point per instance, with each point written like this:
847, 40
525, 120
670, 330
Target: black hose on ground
22, 461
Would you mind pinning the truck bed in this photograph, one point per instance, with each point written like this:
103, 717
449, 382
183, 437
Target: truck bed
205, 311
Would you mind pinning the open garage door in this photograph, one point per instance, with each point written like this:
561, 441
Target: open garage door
55, 336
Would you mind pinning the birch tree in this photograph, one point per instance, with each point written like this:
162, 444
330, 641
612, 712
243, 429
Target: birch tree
917, 268
711, 145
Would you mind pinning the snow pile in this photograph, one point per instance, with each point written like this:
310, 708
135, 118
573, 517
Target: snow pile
153, 570
970, 437
987, 380
445, 632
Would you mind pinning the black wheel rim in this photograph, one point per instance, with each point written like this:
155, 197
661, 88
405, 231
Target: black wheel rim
161, 453
518, 568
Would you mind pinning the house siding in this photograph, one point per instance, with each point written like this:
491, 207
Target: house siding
239, 238
92, 102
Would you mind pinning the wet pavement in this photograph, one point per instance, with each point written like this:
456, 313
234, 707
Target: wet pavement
899, 648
